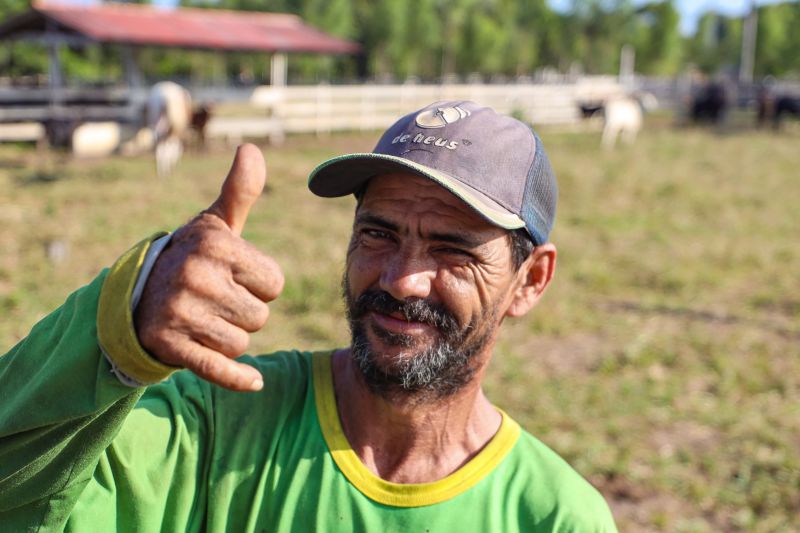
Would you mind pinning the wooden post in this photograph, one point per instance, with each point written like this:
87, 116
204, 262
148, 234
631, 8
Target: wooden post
133, 76
277, 70
55, 74
627, 57
747, 64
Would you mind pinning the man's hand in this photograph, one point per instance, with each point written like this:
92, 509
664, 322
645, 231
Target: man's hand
209, 288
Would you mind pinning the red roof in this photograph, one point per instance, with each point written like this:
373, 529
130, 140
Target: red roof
194, 28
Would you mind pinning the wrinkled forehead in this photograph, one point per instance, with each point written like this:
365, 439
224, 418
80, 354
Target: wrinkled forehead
405, 183
405, 198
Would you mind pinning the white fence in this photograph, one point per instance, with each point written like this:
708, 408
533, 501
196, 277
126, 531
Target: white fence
271, 112
327, 108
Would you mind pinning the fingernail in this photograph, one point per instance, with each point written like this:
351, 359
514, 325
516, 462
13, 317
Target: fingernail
257, 384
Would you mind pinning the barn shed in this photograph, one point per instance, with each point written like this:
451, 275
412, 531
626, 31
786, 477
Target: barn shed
130, 27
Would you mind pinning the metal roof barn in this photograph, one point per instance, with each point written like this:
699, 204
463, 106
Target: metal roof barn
129, 27
209, 29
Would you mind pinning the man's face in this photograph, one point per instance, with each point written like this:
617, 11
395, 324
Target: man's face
427, 283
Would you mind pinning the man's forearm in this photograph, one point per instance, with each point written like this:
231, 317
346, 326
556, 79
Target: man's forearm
60, 402
55, 386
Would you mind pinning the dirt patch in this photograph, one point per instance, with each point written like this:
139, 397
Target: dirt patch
779, 320
645, 510
572, 355
637, 508
685, 435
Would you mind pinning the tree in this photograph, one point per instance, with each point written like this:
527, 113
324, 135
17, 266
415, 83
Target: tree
540, 34
12, 7
20, 58
658, 44
716, 45
336, 18
778, 42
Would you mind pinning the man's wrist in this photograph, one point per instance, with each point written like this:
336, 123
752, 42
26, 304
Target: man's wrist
116, 333
155, 249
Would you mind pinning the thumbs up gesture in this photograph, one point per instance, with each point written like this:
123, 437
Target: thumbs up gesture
209, 288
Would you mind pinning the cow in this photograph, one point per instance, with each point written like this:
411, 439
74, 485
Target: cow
201, 116
168, 116
623, 116
774, 108
709, 105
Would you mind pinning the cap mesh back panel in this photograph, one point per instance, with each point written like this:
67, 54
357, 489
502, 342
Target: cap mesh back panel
541, 194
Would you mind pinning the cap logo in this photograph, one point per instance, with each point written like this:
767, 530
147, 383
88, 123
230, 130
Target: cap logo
441, 116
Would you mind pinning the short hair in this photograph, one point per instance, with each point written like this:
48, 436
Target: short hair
521, 246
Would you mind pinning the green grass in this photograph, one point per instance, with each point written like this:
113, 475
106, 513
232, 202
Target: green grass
664, 363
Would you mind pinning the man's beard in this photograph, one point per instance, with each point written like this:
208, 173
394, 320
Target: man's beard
419, 373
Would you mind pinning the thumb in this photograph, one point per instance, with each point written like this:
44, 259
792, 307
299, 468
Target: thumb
242, 187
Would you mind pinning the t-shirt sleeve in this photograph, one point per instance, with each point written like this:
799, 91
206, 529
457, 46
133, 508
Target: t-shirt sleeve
589, 513
556, 497
153, 475
65, 418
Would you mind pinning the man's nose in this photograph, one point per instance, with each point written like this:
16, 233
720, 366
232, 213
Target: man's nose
406, 276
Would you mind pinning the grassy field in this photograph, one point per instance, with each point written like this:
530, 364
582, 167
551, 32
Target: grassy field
664, 363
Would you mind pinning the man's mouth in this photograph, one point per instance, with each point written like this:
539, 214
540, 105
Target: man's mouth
396, 322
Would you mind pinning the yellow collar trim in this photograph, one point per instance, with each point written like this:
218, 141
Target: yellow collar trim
400, 494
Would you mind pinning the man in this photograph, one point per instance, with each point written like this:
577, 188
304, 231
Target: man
393, 433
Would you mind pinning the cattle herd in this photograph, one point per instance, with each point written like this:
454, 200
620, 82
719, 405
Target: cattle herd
171, 115
709, 105
170, 119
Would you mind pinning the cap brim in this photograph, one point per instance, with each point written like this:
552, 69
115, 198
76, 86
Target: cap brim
346, 174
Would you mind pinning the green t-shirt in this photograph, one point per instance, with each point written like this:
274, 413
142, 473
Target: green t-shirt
79, 451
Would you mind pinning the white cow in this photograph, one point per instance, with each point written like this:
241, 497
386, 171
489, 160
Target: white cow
169, 116
623, 117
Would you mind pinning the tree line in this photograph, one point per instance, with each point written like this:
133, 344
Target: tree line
435, 39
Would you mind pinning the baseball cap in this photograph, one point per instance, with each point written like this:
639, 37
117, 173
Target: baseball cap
494, 163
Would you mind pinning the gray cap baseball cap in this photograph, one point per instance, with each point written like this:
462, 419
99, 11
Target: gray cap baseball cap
494, 163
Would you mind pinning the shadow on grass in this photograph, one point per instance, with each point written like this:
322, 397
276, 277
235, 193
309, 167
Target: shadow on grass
39, 177
698, 315
12, 164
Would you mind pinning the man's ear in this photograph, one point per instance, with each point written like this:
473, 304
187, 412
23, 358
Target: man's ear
533, 278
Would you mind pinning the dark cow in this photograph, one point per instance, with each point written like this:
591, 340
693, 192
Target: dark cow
710, 105
590, 109
201, 115
774, 108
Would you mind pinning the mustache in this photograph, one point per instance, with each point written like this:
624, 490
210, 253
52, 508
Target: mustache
412, 310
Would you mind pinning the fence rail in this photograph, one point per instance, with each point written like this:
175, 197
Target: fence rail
272, 112
327, 108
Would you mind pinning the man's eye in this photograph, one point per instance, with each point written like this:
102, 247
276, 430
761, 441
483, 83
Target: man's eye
376, 234
456, 252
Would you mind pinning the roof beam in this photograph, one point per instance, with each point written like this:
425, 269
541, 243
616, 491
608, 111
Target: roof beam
52, 37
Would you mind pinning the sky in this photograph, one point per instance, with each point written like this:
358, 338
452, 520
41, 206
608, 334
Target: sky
690, 10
